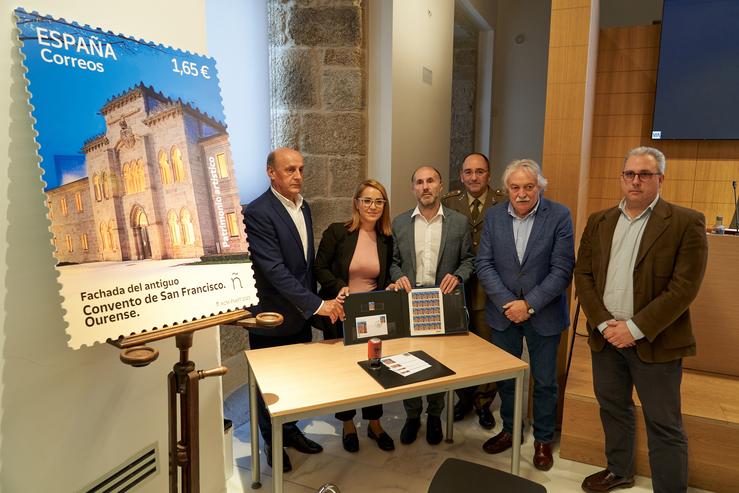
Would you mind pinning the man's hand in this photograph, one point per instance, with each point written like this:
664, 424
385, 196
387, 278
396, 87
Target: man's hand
403, 283
618, 334
333, 310
448, 284
517, 311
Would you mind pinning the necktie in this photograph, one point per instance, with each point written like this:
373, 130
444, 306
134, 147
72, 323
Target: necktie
475, 213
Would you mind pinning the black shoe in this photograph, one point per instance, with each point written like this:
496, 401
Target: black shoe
303, 444
286, 465
434, 434
486, 418
383, 440
461, 409
410, 430
350, 442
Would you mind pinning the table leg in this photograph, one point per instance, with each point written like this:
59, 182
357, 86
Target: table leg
276, 455
517, 411
254, 427
450, 416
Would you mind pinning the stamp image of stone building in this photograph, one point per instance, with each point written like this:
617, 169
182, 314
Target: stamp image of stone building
160, 184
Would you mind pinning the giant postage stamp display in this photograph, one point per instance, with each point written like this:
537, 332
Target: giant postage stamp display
140, 184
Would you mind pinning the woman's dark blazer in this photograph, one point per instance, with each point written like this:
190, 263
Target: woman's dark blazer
331, 268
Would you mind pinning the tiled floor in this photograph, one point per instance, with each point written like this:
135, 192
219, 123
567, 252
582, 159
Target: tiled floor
409, 468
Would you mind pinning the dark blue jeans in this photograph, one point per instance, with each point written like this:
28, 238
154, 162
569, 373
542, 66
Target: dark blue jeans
543, 362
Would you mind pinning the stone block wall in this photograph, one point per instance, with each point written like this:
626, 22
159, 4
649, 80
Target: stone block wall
464, 86
318, 84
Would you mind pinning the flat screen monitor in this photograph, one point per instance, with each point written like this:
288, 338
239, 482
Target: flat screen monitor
697, 95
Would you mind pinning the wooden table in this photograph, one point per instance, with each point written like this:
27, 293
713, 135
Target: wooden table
312, 379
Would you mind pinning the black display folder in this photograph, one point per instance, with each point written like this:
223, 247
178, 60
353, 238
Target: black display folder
397, 321
389, 379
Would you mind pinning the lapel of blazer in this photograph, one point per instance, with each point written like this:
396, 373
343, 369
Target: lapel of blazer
504, 225
489, 202
407, 224
658, 222
382, 256
606, 229
288, 221
445, 225
347, 252
464, 207
540, 219
309, 230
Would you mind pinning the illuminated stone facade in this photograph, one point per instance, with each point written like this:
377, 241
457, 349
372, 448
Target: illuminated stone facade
160, 184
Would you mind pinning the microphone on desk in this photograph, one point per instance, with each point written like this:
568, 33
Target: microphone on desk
736, 209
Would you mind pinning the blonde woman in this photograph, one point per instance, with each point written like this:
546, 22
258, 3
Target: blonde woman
355, 257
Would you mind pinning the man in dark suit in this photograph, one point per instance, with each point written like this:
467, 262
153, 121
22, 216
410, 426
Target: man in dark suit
473, 202
431, 247
639, 268
525, 263
280, 234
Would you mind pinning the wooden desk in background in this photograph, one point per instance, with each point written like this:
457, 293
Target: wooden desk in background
317, 378
714, 313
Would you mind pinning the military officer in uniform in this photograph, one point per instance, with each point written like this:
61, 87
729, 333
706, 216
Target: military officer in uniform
473, 202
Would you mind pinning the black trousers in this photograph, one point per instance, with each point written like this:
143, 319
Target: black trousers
369, 412
257, 341
615, 373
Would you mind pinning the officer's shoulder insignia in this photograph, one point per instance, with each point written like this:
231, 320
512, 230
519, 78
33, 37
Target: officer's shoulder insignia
452, 194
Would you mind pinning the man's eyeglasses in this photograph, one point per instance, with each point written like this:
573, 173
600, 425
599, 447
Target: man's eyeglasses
368, 202
643, 175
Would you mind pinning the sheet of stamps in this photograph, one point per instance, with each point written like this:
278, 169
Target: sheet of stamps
427, 311
143, 201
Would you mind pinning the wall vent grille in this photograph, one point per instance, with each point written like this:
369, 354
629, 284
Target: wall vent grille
128, 475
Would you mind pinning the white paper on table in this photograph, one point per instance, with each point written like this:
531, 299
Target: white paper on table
372, 326
405, 364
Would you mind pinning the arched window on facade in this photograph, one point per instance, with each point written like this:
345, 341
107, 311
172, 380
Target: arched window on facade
165, 169
70, 245
111, 234
222, 165
78, 202
106, 185
84, 242
97, 187
175, 234
179, 167
63, 206
104, 243
232, 223
188, 230
128, 186
139, 176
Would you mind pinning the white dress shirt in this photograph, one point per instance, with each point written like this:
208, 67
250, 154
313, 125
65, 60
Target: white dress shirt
618, 295
295, 210
427, 239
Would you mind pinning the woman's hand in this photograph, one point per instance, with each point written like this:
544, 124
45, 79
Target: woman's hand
343, 293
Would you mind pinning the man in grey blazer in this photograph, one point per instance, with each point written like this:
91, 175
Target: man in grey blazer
432, 246
525, 262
